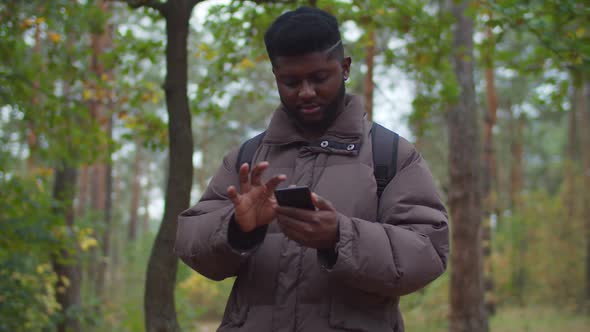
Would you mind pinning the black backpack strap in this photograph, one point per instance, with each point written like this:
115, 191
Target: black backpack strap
384, 143
248, 149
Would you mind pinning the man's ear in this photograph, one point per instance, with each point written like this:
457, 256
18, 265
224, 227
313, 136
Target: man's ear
346, 67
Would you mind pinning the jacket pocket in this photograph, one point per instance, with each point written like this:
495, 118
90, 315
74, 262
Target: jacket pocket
353, 314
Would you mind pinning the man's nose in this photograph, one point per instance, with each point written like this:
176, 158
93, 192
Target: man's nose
307, 90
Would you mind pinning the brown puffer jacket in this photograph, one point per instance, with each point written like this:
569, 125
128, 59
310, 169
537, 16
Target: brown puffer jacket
386, 249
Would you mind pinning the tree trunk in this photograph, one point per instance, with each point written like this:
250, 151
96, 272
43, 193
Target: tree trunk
516, 150
83, 184
146, 205
101, 41
490, 171
31, 135
519, 228
369, 85
582, 96
135, 195
467, 290
160, 311
108, 208
97, 207
65, 263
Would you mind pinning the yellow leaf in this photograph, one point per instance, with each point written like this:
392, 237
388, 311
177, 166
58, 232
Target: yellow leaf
41, 268
27, 23
87, 243
104, 77
87, 95
210, 55
380, 11
246, 63
580, 32
155, 99
40, 20
65, 281
55, 37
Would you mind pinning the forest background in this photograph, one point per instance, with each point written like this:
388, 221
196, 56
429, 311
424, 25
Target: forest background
115, 114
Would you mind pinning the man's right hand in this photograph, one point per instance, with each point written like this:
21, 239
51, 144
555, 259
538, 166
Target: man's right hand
255, 203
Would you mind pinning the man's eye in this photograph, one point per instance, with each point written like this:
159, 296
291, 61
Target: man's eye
291, 83
320, 78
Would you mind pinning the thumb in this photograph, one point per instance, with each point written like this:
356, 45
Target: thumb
321, 203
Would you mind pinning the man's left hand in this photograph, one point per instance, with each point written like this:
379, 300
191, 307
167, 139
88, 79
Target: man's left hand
314, 229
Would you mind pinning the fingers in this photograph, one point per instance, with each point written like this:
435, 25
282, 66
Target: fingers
244, 178
321, 203
292, 228
257, 173
254, 179
233, 195
272, 184
295, 213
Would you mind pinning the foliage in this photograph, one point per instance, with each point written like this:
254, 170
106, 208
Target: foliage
533, 249
205, 297
27, 237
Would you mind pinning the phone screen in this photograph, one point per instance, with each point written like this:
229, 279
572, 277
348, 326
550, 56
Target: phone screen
297, 197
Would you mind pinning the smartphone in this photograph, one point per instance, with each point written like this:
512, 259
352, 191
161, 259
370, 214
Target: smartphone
297, 197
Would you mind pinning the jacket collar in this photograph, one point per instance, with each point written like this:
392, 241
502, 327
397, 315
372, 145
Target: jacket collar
346, 128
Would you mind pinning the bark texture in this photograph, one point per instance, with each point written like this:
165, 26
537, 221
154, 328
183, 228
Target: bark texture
160, 311
468, 313
135, 195
369, 85
582, 104
66, 262
490, 170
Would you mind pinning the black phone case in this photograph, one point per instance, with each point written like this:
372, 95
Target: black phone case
297, 197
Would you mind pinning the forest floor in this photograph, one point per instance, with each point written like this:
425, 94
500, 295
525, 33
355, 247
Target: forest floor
510, 319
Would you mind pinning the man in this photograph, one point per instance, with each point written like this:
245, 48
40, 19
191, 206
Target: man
344, 265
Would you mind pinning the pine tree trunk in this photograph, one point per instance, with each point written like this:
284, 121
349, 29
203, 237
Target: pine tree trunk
582, 98
31, 135
146, 205
519, 232
490, 171
97, 206
83, 184
369, 84
108, 208
160, 311
468, 313
135, 195
66, 262
101, 41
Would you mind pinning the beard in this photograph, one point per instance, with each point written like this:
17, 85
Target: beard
330, 113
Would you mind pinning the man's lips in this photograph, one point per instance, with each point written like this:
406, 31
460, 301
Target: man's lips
310, 109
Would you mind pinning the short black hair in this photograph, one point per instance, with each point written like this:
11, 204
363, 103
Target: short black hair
302, 31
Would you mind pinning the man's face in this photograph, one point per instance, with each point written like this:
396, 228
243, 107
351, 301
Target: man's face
311, 87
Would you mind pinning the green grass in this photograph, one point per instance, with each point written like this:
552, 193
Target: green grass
510, 319
539, 319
